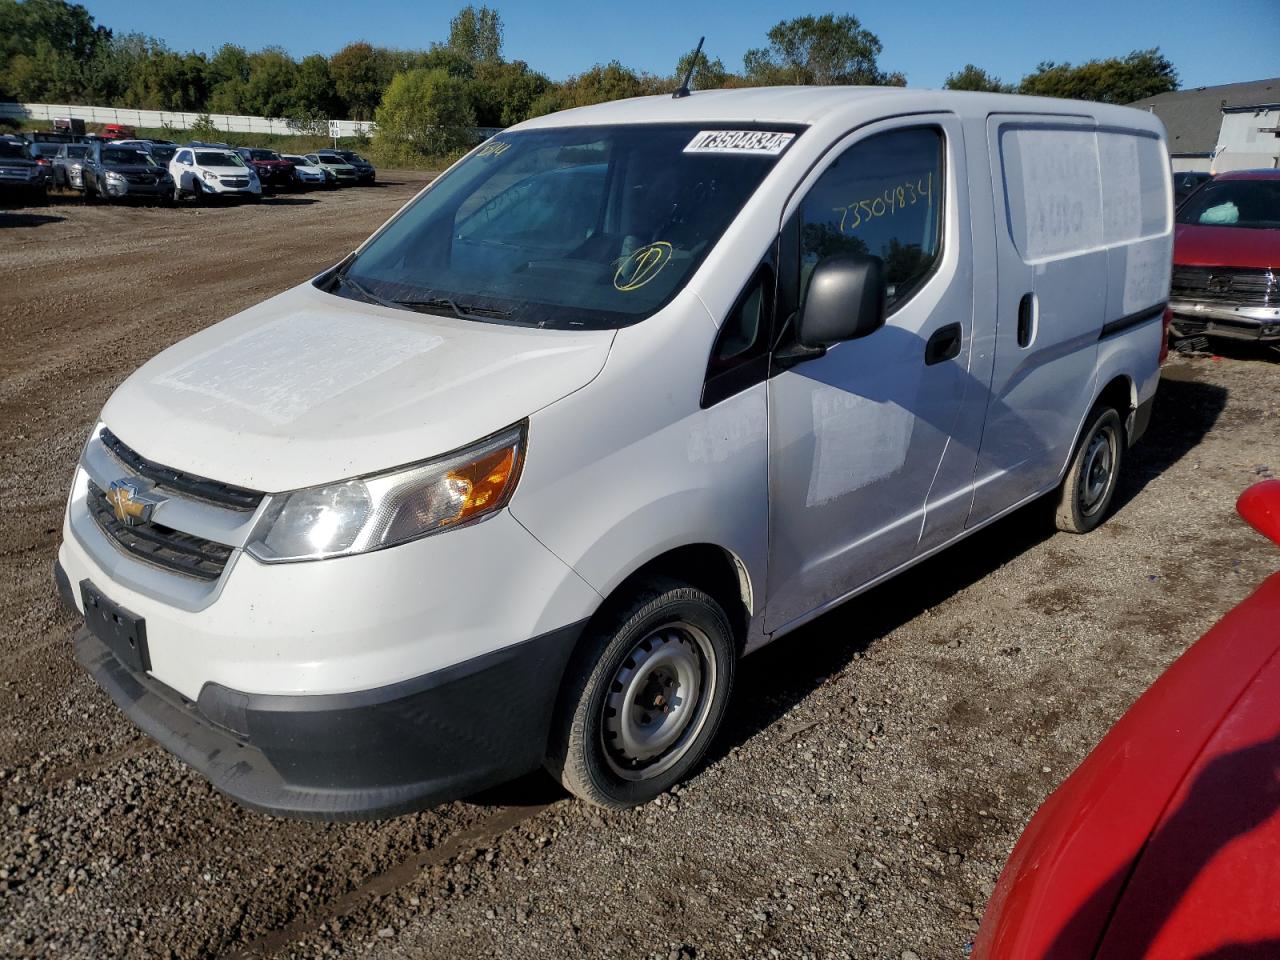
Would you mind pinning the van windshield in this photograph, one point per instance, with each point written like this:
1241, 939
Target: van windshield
568, 228
1234, 203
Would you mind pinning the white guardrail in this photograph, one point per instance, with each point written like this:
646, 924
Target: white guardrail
178, 120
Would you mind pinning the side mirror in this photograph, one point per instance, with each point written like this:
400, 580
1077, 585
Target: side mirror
845, 300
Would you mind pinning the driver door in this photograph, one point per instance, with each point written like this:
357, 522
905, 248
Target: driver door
856, 435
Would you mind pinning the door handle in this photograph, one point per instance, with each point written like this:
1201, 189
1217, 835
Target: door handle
943, 345
1026, 318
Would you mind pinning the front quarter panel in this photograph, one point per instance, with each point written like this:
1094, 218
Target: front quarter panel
630, 466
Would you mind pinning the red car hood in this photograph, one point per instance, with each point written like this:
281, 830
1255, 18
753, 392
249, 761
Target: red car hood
1197, 245
1164, 842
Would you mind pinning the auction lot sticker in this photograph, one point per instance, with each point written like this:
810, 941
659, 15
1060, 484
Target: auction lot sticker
769, 142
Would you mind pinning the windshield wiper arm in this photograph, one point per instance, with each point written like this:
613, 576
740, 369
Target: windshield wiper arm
345, 279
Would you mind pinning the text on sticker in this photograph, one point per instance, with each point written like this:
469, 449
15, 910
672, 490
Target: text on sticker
893, 198
770, 142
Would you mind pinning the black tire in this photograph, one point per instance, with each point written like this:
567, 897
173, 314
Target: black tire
1090, 484
668, 638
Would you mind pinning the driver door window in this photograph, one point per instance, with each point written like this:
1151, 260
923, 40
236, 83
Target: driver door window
882, 197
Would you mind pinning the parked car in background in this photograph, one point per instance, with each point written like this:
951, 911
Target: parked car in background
1185, 184
1226, 259
144, 145
336, 165
204, 173
111, 172
308, 174
22, 179
518, 481
70, 125
162, 152
43, 152
68, 164
1165, 842
274, 172
118, 131
364, 169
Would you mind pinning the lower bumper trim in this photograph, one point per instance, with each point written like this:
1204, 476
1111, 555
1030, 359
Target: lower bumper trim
360, 756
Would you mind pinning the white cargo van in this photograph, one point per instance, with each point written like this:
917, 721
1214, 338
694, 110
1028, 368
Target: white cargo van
630, 391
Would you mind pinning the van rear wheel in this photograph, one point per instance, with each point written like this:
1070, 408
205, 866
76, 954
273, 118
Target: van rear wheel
643, 696
1090, 484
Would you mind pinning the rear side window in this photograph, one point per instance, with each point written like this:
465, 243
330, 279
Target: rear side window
1072, 189
882, 197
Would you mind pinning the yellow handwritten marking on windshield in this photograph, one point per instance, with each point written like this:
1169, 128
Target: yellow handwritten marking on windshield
642, 265
893, 199
494, 148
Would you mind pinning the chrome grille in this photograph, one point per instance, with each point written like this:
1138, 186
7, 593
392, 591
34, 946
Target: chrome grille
157, 544
186, 484
1236, 285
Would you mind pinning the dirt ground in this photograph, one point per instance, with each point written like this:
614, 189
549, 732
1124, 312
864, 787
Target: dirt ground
873, 774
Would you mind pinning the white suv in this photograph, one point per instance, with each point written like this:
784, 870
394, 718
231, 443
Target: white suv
200, 172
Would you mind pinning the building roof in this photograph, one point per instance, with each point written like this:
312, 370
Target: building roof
1193, 117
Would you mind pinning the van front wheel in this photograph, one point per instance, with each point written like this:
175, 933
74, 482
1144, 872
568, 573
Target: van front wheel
1090, 484
643, 696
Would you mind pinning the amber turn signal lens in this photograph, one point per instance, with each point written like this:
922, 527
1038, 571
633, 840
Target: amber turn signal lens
483, 482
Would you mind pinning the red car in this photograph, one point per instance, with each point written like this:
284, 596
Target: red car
1226, 259
274, 171
1165, 841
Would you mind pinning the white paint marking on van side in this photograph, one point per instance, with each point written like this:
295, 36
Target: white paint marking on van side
848, 455
282, 370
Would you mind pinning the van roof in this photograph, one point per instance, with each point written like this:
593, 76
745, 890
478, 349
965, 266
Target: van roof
814, 105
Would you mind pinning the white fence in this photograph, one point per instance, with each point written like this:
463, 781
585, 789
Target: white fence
156, 119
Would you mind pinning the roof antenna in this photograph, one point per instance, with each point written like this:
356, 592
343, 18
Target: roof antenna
683, 91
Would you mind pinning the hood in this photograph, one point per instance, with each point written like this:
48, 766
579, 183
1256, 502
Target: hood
271, 164
134, 168
308, 388
1199, 245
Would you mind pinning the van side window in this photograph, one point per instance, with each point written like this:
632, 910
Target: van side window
740, 356
883, 197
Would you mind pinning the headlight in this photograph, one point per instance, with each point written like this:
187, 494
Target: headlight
115, 177
211, 177
369, 513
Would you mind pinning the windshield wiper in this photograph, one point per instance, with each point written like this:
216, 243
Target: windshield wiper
463, 311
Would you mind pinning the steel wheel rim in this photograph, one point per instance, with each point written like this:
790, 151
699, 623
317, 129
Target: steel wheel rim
1098, 470
657, 701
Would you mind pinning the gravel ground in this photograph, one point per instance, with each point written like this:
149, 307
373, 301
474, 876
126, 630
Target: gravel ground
874, 771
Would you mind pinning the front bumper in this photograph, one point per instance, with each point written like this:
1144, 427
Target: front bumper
1234, 321
162, 188
352, 756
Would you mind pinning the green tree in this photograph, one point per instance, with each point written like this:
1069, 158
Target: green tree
229, 80
504, 93
313, 96
476, 34
708, 74
601, 84
971, 77
1142, 73
45, 46
818, 50
273, 75
358, 78
424, 114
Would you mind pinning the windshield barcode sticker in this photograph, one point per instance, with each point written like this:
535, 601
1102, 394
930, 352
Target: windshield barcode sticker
771, 142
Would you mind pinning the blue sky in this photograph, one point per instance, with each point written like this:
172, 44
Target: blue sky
1222, 41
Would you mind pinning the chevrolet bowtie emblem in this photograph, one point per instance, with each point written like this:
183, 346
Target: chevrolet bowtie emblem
132, 501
